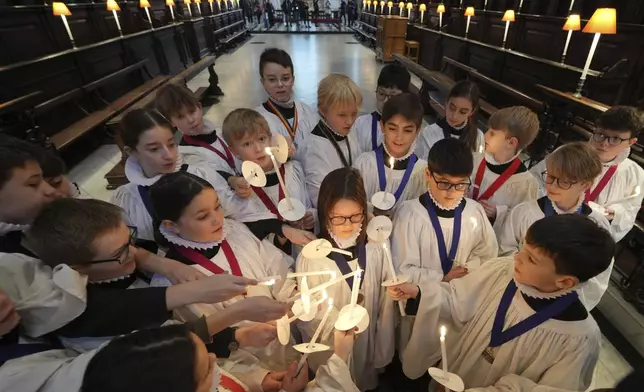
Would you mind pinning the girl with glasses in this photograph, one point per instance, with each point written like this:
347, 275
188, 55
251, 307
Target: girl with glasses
570, 172
342, 213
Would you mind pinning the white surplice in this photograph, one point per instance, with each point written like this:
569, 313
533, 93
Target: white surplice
518, 188
416, 186
374, 348
363, 131
414, 241
560, 354
628, 176
196, 155
322, 158
433, 133
307, 119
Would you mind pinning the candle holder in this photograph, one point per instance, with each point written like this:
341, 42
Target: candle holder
573, 23
111, 5
603, 21
60, 9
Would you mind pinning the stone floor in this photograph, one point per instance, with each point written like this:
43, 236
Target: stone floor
314, 56
320, 28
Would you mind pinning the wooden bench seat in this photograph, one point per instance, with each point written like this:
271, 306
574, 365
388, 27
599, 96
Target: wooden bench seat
140, 97
192, 71
230, 39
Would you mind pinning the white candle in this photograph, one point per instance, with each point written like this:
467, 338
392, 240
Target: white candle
520, 5
147, 11
279, 177
589, 60
390, 262
440, 21
409, 14
563, 56
313, 305
485, 5
69, 32
505, 36
422, 13
382, 6
211, 11
324, 285
401, 10
388, 175
389, 11
318, 331
172, 12
444, 351
572, 2
467, 27
310, 273
189, 10
118, 24
355, 290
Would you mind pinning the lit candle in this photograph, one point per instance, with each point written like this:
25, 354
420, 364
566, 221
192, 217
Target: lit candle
317, 333
388, 175
355, 290
306, 295
324, 286
279, 177
444, 352
392, 270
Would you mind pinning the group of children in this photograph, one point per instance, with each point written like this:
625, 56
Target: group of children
141, 293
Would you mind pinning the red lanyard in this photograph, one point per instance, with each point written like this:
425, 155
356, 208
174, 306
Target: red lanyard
292, 130
267, 200
208, 264
229, 384
228, 157
507, 173
592, 196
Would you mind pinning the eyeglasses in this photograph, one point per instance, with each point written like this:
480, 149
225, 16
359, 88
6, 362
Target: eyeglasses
340, 220
612, 140
124, 252
563, 184
381, 95
446, 185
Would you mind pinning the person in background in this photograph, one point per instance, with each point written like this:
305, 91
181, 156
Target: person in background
352, 11
343, 12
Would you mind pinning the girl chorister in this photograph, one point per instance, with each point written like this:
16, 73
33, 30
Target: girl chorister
331, 144
342, 216
394, 167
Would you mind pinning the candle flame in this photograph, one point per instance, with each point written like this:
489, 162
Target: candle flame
268, 151
330, 302
443, 331
391, 162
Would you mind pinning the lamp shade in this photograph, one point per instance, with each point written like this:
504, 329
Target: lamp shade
390, 4
60, 9
573, 23
401, 5
603, 21
382, 3
422, 7
211, 1
410, 6
440, 9
144, 4
197, 1
469, 11
170, 3
112, 5
508, 16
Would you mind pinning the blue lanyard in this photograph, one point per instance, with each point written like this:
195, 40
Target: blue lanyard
144, 192
447, 261
375, 118
343, 264
382, 178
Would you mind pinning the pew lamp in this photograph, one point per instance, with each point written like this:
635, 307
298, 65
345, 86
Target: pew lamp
485, 6
422, 9
410, 6
603, 21
198, 2
390, 4
469, 12
60, 9
364, 4
187, 3
401, 7
440, 10
170, 4
145, 4
508, 17
212, 12
113, 6
573, 23
382, 6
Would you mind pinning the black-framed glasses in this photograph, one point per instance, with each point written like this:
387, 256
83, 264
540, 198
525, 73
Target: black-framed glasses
340, 220
124, 252
446, 185
563, 184
382, 95
612, 140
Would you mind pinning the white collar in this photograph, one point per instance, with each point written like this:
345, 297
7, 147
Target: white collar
618, 159
134, 172
286, 105
442, 207
573, 210
402, 158
347, 242
534, 293
490, 159
330, 128
110, 280
460, 126
178, 240
6, 228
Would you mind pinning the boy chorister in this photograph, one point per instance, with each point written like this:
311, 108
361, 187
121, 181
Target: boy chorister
292, 118
619, 187
500, 180
570, 171
521, 318
394, 167
442, 235
332, 144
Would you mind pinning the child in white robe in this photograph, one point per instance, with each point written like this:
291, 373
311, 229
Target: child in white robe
248, 135
394, 166
461, 106
523, 318
442, 235
331, 144
149, 142
500, 179
193, 228
342, 216
289, 117
617, 129
570, 171
55, 174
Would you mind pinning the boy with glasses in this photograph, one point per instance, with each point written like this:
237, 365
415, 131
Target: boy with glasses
617, 191
442, 235
570, 171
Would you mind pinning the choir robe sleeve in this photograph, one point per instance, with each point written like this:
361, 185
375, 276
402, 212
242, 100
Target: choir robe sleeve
128, 198
517, 222
628, 177
516, 383
362, 129
334, 376
522, 189
486, 246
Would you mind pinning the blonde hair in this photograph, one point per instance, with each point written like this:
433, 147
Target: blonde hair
517, 121
338, 90
576, 162
242, 122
